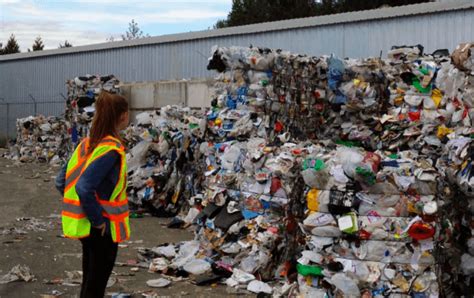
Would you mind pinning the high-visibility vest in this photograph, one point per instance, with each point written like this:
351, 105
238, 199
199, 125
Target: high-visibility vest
74, 221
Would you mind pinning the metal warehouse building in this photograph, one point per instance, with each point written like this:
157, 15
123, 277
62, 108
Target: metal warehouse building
39, 77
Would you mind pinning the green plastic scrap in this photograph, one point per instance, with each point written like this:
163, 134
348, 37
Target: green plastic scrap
315, 164
135, 215
166, 135
193, 125
153, 132
416, 82
367, 174
349, 143
420, 88
424, 71
348, 223
306, 270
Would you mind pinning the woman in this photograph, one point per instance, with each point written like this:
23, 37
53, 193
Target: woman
93, 183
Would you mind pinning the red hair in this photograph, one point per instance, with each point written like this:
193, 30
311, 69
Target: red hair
108, 110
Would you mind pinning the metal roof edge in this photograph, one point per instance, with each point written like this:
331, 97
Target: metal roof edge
357, 16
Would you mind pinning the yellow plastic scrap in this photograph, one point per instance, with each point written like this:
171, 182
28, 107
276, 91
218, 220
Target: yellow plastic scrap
400, 97
400, 91
267, 149
398, 100
411, 208
145, 134
417, 286
401, 282
436, 96
175, 197
426, 254
312, 200
360, 84
443, 131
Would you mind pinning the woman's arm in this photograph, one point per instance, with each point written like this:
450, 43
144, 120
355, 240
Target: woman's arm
60, 181
90, 180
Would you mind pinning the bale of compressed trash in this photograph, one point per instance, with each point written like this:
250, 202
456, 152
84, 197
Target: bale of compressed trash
321, 176
53, 139
82, 92
40, 139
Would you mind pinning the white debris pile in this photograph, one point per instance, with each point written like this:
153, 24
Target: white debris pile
40, 139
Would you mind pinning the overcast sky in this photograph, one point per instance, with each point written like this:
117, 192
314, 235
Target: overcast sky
85, 22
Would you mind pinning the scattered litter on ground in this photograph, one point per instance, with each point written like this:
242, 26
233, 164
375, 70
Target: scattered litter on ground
158, 283
53, 294
111, 282
25, 225
120, 295
18, 273
73, 279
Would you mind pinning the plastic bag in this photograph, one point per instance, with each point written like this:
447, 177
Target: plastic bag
136, 156
187, 251
230, 157
349, 158
317, 179
345, 284
467, 264
197, 266
257, 286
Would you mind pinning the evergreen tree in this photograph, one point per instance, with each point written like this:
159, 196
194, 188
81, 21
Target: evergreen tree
133, 32
221, 24
66, 44
38, 45
246, 12
11, 47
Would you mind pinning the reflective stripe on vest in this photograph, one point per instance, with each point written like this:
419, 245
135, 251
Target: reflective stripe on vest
74, 220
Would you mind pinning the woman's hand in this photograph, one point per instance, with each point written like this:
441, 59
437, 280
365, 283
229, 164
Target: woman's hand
101, 228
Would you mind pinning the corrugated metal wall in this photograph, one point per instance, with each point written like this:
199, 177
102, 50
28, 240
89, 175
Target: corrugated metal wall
44, 77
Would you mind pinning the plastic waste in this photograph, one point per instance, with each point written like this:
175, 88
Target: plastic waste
18, 273
361, 168
197, 266
257, 286
306, 270
345, 284
158, 283
467, 264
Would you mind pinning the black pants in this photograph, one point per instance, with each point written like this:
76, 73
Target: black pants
98, 259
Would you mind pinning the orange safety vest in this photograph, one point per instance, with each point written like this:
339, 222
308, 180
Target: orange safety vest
74, 221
